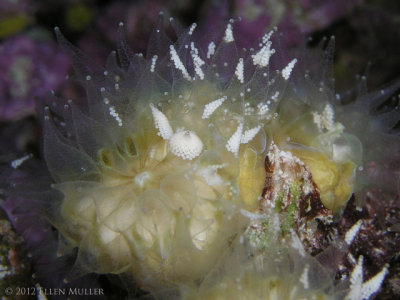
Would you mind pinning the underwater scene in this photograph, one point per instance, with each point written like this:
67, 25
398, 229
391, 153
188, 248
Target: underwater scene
243, 149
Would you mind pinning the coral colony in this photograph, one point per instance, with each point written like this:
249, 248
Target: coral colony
221, 173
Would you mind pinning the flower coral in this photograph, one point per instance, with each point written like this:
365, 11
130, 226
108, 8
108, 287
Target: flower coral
221, 163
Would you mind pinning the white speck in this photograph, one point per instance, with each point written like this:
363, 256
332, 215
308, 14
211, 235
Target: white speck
228, 38
210, 50
239, 72
142, 178
17, 162
198, 62
328, 116
262, 57
161, 123
304, 278
263, 108
275, 96
153, 63
352, 232
116, 86
374, 284
211, 176
186, 145
296, 243
178, 63
288, 69
88, 77
192, 28
248, 135
252, 216
351, 258
267, 36
211, 107
317, 120
234, 142
364, 291
105, 73
356, 279
114, 114
325, 120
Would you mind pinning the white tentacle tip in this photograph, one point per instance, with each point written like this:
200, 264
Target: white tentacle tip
186, 145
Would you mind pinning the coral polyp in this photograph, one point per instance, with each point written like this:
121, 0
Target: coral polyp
202, 158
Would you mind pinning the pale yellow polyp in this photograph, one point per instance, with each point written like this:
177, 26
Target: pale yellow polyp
334, 181
251, 177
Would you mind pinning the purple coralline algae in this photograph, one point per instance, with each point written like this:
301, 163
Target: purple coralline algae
29, 68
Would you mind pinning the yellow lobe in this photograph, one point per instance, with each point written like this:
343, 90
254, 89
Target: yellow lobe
334, 181
251, 178
345, 187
